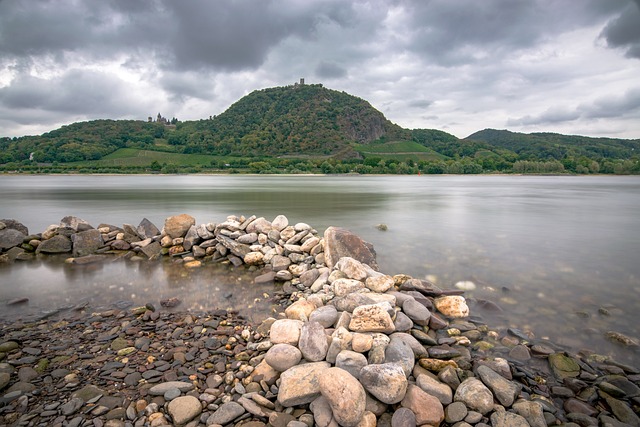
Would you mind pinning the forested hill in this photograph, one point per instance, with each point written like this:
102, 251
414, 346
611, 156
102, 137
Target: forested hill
534, 146
290, 120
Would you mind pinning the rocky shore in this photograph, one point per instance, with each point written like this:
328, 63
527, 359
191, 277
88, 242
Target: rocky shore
352, 346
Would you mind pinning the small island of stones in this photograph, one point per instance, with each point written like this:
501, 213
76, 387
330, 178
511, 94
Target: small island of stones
351, 346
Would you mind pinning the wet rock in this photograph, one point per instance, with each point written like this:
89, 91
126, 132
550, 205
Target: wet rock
345, 395
427, 408
299, 385
622, 410
86, 242
387, 382
183, 409
10, 238
55, 245
504, 390
620, 338
340, 242
473, 393
563, 366
177, 226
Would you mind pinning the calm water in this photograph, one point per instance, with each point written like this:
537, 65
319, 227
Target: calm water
551, 251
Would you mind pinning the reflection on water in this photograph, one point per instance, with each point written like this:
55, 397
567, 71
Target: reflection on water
558, 254
51, 284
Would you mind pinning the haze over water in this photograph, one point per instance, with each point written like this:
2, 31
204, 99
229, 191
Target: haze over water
559, 255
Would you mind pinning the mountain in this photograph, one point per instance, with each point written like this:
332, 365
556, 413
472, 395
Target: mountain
290, 120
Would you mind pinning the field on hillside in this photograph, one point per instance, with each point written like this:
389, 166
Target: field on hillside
127, 157
399, 150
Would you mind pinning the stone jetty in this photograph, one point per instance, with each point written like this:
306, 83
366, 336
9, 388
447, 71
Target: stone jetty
352, 347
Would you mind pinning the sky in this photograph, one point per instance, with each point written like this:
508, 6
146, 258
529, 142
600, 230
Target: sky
566, 66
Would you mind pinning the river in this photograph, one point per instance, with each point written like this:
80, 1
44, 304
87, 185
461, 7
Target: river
559, 255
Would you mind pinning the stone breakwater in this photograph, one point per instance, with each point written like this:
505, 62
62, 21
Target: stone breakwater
355, 347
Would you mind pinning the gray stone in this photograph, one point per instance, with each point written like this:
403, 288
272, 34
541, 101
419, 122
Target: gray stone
86, 242
152, 250
435, 388
146, 229
14, 225
345, 395
322, 413
398, 351
325, 315
285, 331
457, 411
531, 411
387, 382
191, 238
418, 349
299, 384
4, 379
238, 249
403, 417
473, 393
10, 238
340, 242
283, 356
74, 223
351, 362
402, 322
183, 409
504, 390
502, 418
161, 389
71, 407
340, 340
621, 410
27, 374
226, 413
280, 222
56, 245
416, 312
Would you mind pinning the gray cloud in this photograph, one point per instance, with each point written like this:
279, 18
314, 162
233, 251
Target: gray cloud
624, 31
468, 62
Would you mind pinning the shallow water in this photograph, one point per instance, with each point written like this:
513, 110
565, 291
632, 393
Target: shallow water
559, 255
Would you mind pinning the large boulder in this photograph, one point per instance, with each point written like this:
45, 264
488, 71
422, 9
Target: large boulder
340, 242
58, 244
74, 223
10, 237
14, 225
86, 242
177, 226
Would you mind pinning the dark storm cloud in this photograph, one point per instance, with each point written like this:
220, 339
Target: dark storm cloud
624, 31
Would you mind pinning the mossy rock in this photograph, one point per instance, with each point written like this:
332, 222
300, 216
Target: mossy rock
42, 365
564, 366
9, 346
119, 343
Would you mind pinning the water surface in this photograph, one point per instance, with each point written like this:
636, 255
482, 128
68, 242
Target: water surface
560, 255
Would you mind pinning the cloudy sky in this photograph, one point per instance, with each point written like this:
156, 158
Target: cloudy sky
568, 66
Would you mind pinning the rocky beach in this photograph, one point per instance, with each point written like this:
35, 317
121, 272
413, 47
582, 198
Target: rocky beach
351, 345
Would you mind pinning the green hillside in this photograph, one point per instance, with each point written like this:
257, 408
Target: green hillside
300, 119
306, 128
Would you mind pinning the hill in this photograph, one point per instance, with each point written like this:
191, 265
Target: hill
306, 128
290, 120
535, 146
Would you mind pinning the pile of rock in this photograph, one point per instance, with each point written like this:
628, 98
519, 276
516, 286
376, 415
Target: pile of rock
287, 250
355, 347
